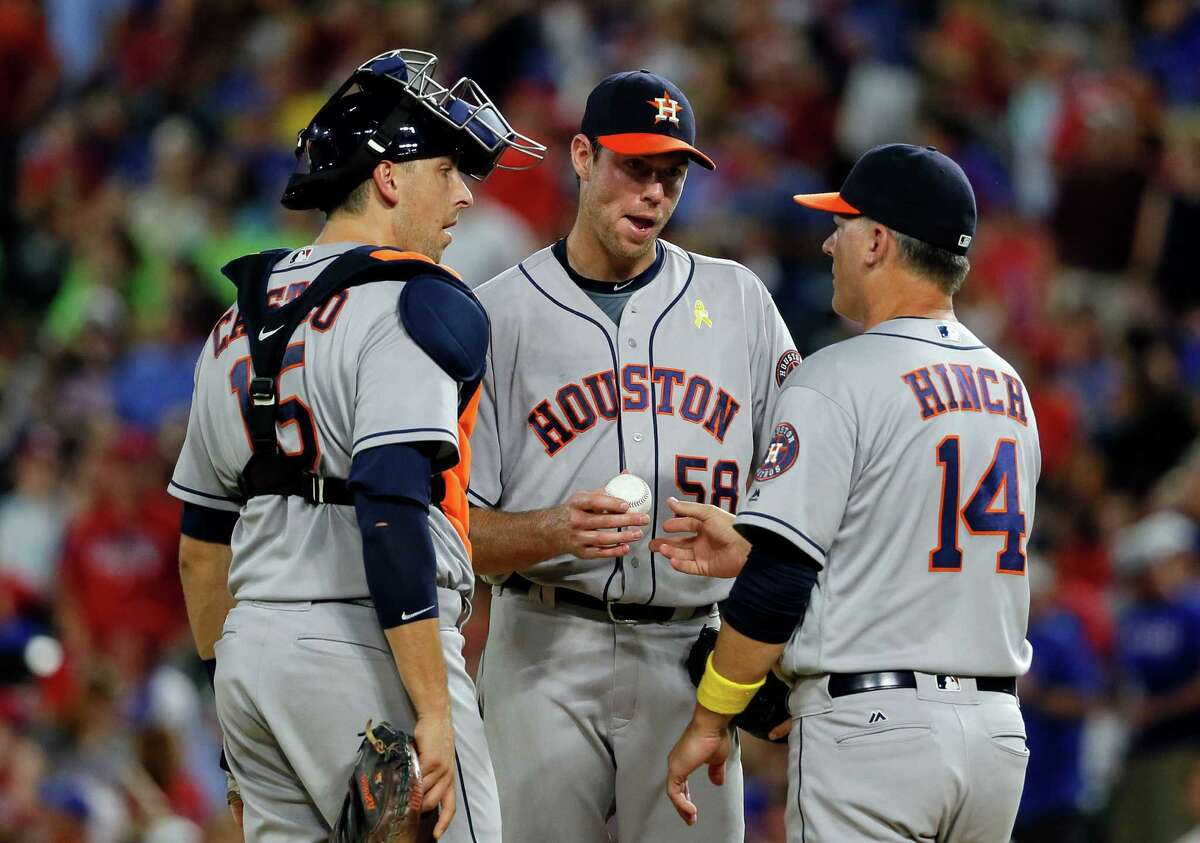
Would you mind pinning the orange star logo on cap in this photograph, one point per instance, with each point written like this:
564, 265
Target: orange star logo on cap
667, 108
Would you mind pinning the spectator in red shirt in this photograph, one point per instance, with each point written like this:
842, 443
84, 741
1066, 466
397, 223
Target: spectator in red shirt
120, 589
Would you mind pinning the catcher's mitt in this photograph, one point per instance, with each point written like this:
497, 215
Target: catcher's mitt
766, 710
384, 801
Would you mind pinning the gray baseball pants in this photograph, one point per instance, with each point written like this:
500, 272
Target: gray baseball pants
905, 765
296, 683
580, 714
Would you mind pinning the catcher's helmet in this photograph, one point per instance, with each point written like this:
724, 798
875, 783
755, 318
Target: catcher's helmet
392, 108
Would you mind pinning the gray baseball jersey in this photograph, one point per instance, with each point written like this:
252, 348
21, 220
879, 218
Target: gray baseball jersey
680, 394
352, 379
904, 460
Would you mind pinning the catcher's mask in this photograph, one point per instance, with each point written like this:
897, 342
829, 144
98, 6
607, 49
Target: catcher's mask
392, 108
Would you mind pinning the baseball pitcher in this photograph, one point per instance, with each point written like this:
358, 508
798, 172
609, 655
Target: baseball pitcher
612, 350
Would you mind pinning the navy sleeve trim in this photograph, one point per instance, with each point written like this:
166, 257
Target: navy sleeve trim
207, 525
403, 430
471, 493
183, 488
783, 523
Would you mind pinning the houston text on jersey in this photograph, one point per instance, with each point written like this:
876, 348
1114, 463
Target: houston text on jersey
575, 408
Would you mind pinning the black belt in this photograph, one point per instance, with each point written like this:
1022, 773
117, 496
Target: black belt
842, 684
619, 612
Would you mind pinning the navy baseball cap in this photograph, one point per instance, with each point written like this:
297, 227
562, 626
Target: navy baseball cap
915, 190
641, 113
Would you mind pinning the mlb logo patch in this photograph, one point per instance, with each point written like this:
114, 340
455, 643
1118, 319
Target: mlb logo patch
948, 331
949, 683
964, 240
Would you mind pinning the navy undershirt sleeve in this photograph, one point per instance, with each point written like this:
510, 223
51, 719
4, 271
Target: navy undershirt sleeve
394, 471
771, 594
391, 486
399, 559
207, 525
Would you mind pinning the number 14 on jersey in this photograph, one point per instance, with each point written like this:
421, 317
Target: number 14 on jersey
994, 509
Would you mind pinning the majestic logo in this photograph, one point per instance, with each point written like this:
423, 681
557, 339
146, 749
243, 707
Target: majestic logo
781, 453
668, 109
877, 716
701, 314
789, 360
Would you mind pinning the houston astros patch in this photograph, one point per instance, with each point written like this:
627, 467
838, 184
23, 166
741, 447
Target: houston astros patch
781, 454
789, 360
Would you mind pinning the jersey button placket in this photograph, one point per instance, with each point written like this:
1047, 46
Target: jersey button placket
637, 436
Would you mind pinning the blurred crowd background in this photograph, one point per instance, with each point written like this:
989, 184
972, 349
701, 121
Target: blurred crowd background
143, 143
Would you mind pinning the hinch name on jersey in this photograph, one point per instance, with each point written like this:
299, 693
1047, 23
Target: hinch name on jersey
577, 407
960, 388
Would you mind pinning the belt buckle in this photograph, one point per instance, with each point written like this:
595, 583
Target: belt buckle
316, 487
625, 621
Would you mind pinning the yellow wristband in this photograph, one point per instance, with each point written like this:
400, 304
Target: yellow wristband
722, 696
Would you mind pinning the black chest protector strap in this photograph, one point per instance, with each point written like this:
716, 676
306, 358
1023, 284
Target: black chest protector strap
269, 330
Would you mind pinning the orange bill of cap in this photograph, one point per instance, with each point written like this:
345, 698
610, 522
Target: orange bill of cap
832, 202
648, 143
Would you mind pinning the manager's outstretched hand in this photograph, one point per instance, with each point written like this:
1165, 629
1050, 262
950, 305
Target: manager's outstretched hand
713, 548
705, 741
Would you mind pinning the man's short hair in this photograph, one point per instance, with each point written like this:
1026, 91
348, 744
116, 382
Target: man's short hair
940, 266
355, 201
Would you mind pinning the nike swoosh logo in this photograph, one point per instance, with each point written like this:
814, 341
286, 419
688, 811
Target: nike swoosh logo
263, 333
619, 287
407, 616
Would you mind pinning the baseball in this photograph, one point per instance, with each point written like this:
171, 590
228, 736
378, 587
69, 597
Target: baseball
631, 488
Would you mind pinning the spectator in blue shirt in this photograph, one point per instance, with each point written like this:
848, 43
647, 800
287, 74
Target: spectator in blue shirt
1056, 695
1158, 648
